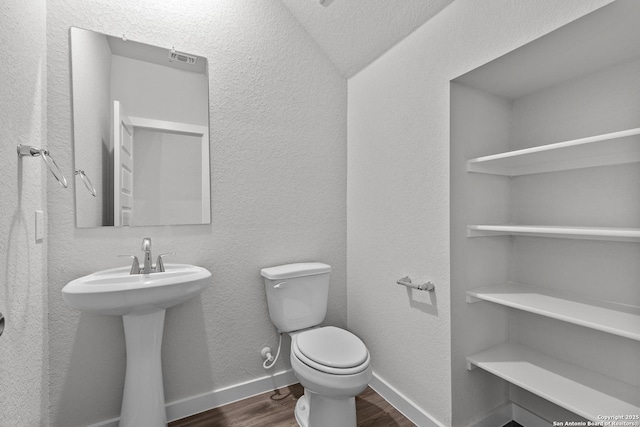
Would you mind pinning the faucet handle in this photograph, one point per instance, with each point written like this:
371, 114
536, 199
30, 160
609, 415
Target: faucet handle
146, 244
135, 265
160, 263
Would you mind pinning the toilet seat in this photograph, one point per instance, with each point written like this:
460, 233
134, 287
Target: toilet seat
331, 350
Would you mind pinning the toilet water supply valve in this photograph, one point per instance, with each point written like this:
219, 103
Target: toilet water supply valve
266, 354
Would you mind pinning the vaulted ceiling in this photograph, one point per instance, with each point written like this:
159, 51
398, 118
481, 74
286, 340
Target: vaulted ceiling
353, 33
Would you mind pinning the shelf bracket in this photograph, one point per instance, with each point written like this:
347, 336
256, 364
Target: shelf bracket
471, 299
471, 366
479, 168
472, 232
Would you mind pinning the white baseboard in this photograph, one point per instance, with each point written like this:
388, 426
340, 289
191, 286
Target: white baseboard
510, 411
223, 396
497, 417
216, 398
526, 418
109, 423
403, 404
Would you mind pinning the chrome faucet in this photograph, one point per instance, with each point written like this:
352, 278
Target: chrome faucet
147, 267
146, 248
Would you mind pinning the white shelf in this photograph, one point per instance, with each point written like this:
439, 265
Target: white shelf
617, 319
581, 391
600, 150
591, 233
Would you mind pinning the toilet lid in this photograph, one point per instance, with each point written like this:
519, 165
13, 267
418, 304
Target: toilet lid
331, 347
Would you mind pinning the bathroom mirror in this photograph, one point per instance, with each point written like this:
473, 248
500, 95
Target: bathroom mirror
140, 131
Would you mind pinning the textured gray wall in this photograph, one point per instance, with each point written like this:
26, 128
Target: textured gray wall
278, 161
23, 367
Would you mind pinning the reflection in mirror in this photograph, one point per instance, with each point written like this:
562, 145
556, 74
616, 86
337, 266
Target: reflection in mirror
141, 133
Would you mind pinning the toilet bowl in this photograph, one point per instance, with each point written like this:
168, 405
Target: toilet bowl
332, 364
333, 367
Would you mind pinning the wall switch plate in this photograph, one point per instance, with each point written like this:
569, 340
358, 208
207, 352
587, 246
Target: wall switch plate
39, 226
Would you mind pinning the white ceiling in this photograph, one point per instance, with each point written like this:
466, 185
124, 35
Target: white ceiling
579, 48
353, 33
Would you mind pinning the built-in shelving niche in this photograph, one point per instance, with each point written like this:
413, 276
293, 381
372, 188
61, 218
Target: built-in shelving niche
566, 106
582, 391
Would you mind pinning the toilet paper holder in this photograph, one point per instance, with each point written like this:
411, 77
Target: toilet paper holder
406, 281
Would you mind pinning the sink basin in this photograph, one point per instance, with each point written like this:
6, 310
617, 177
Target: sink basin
116, 292
142, 301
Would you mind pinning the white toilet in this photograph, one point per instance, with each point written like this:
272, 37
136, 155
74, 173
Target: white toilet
331, 364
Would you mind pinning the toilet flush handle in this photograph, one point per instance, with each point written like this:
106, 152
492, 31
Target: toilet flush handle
280, 285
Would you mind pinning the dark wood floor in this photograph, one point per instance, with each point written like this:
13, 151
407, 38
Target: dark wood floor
275, 409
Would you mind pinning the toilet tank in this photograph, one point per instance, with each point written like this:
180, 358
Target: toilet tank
297, 294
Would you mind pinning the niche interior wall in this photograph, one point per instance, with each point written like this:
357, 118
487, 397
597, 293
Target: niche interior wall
545, 161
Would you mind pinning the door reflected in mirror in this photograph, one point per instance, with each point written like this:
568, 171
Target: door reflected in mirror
141, 133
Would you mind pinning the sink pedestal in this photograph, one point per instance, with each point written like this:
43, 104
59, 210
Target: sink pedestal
141, 300
143, 398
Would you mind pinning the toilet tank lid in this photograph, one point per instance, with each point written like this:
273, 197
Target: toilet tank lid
295, 270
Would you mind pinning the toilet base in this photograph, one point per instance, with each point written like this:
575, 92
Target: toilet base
314, 410
302, 411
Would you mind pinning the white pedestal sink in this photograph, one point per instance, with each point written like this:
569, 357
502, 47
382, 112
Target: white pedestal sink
141, 300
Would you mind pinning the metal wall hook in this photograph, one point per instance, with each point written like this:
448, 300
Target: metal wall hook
406, 281
86, 181
29, 151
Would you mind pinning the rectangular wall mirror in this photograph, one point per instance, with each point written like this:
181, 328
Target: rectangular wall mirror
141, 133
